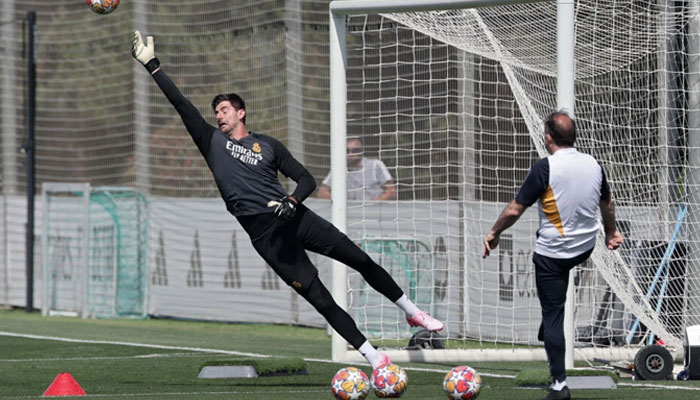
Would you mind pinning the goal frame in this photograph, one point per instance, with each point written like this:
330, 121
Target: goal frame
84, 190
83, 306
338, 11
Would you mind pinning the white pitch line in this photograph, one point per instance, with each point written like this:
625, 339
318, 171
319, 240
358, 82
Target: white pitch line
437, 370
653, 386
150, 346
138, 356
238, 353
213, 351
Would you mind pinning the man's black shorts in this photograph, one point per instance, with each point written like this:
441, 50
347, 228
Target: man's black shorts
282, 244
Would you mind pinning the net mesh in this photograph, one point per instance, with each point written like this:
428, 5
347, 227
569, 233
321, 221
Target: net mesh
635, 105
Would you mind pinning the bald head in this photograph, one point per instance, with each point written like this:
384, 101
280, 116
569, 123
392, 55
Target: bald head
561, 127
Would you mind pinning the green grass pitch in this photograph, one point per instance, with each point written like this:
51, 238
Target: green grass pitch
160, 359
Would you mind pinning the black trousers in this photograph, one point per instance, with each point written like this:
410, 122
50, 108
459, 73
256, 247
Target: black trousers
552, 280
283, 246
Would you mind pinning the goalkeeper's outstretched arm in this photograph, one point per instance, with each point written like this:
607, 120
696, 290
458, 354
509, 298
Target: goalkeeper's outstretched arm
198, 128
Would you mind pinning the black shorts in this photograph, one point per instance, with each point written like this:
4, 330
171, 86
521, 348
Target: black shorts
283, 244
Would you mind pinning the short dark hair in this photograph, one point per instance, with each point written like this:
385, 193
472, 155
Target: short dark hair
235, 100
358, 138
561, 127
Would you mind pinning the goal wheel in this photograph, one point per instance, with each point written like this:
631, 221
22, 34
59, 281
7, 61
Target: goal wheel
683, 375
424, 339
653, 363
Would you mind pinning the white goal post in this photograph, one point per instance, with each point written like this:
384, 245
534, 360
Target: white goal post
338, 117
643, 292
94, 251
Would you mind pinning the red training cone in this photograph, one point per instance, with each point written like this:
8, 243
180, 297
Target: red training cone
64, 385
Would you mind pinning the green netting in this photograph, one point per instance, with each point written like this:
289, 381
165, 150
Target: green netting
118, 259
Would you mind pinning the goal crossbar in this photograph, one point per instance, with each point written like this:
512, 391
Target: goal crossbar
339, 8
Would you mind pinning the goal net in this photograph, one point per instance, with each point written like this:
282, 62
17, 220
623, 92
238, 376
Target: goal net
452, 101
95, 251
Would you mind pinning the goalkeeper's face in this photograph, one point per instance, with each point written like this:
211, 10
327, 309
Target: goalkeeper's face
227, 117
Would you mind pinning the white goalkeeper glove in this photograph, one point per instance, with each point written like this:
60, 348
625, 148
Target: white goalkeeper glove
144, 52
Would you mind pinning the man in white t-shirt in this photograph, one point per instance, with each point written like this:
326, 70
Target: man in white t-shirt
367, 179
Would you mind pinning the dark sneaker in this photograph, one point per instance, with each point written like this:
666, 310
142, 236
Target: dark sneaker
558, 394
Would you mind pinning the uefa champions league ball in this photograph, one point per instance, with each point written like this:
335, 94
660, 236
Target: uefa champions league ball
389, 381
350, 383
103, 6
462, 383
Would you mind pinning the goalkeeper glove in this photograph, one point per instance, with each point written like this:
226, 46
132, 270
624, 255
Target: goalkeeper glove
144, 53
285, 209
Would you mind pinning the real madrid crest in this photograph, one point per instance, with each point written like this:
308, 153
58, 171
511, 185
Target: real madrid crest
256, 147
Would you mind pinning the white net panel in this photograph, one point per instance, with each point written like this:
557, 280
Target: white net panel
450, 101
449, 129
64, 251
95, 251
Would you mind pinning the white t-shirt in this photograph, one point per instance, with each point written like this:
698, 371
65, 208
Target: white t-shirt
568, 187
365, 183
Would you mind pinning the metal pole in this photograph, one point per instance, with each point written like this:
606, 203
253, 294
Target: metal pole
9, 129
338, 119
348, 7
8, 99
566, 99
29, 148
692, 312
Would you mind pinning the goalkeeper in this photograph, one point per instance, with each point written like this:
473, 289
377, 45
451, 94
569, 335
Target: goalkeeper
245, 166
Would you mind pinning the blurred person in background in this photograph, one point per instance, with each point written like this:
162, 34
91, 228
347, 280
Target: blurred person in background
367, 178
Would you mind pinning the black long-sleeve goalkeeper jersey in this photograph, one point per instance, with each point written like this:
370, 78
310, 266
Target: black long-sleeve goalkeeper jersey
245, 170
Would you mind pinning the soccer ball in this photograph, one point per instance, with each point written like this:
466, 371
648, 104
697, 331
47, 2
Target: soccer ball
389, 381
103, 6
462, 383
350, 383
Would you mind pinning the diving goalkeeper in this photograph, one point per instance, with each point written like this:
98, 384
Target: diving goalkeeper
281, 228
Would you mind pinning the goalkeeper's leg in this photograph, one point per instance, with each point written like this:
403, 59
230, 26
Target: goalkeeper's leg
351, 255
321, 299
320, 236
